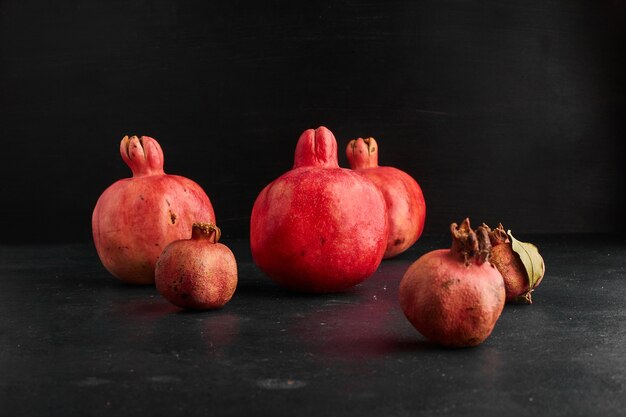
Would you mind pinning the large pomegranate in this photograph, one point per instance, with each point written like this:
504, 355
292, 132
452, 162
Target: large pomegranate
135, 218
406, 208
455, 296
318, 227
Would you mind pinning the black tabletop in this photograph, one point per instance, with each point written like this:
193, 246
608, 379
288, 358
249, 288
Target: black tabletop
75, 341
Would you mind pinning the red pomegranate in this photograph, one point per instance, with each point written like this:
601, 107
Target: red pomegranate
197, 273
318, 227
135, 218
406, 208
454, 296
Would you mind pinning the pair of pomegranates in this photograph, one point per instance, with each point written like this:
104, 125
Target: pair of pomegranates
322, 228
159, 228
455, 296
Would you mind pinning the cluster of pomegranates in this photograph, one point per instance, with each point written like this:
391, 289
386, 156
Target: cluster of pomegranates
317, 228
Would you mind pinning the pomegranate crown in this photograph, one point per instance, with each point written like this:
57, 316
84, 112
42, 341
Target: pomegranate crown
471, 245
316, 148
207, 231
362, 153
143, 155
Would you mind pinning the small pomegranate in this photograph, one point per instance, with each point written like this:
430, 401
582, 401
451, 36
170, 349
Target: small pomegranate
197, 273
135, 218
520, 264
318, 227
406, 208
454, 296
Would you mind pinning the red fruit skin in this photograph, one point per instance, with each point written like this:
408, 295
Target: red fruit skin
196, 273
135, 218
406, 208
318, 228
449, 302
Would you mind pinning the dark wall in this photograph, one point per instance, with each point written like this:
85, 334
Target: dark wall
507, 111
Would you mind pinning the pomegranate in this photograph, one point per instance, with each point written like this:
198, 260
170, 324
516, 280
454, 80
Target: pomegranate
520, 264
454, 296
406, 208
197, 273
318, 228
135, 218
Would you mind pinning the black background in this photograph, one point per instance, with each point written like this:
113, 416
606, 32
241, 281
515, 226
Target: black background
505, 111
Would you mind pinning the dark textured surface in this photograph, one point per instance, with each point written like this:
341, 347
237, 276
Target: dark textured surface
74, 341
508, 110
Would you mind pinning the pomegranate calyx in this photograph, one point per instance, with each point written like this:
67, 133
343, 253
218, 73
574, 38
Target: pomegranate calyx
498, 235
142, 154
362, 153
316, 148
207, 231
471, 245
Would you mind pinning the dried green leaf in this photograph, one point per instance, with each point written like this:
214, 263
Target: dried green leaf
532, 260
